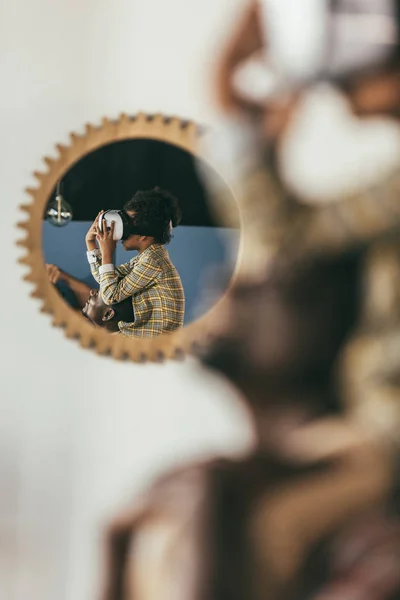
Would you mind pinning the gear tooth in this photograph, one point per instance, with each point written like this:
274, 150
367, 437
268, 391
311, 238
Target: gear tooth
39, 176
178, 354
30, 277
89, 128
49, 161
61, 149
70, 330
23, 260
174, 122
74, 137
35, 293
23, 225
22, 243
134, 355
190, 128
123, 118
87, 340
72, 333
58, 321
141, 117
159, 356
159, 119
45, 308
104, 350
105, 122
116, 352
26, 208
176, 129
103, 344
31, 191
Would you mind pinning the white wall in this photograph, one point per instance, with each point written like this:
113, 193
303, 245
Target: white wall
79, 433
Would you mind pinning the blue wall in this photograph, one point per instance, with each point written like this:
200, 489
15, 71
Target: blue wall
195, 251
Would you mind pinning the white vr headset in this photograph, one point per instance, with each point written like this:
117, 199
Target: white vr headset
120, 220
123, 225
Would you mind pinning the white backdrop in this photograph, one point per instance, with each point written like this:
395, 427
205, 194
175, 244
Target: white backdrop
79, 433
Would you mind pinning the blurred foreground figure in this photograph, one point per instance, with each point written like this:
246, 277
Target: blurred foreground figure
308, 515
286, 45
312, 513
355, 46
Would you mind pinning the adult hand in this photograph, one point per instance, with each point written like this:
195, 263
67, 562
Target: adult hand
106, 243
91, 234
55, 274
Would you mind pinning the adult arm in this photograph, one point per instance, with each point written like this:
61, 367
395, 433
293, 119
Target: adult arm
80, 289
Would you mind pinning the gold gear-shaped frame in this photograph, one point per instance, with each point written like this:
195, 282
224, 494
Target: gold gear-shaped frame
174, 131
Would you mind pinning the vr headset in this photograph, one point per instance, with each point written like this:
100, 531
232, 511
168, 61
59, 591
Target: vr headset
124, 225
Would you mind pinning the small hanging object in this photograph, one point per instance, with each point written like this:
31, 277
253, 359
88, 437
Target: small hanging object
59, 212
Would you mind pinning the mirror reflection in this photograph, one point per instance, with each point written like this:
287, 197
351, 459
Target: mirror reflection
130, 241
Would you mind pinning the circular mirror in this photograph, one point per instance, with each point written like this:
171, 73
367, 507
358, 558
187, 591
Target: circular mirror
141, 280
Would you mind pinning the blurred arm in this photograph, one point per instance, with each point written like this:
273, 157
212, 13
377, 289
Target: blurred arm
246, 40
80, 289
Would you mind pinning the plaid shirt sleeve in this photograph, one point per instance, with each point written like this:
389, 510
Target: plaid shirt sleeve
124, 269
95, 262
141, 276
94, 259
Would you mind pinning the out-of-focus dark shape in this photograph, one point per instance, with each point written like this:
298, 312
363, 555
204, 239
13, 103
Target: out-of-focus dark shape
307, 509
312, 513
306, 513
283, 237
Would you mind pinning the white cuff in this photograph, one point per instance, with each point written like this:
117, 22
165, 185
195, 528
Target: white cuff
93, 256
106, 269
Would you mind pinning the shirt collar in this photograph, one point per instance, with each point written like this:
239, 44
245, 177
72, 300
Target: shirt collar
153, 249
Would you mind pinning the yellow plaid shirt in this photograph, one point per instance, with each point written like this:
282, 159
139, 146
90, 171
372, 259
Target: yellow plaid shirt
154, 285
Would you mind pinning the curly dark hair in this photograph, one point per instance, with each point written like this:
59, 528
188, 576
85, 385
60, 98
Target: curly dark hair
154, 210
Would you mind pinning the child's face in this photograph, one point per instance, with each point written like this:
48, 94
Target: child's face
132, 242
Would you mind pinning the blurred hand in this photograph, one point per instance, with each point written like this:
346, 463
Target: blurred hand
55, 274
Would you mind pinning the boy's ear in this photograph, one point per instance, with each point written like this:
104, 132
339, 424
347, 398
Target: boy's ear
108, 315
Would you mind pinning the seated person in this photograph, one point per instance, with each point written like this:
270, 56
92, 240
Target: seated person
90, 302
149, 280
108, 316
